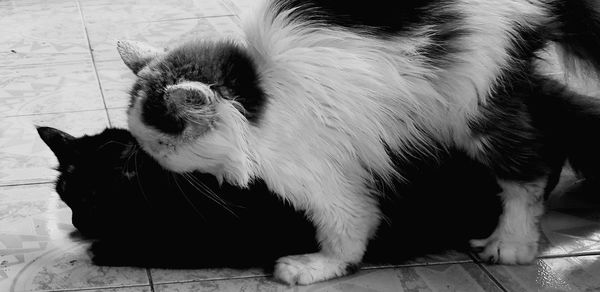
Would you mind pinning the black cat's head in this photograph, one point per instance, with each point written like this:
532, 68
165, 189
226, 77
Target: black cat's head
191, 106
93, 176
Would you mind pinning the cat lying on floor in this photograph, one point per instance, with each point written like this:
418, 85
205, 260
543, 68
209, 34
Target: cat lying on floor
140, 214
327, 102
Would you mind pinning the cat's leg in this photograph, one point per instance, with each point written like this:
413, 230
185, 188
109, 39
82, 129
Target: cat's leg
344, 226
517, 142
515, 239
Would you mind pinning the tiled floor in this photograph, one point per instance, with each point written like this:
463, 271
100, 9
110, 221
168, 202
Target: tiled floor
59, 67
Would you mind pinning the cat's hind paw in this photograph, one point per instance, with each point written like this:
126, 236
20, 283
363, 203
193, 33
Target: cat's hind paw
310, 268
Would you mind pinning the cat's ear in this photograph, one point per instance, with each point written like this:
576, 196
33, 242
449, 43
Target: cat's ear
59, 142
137, 55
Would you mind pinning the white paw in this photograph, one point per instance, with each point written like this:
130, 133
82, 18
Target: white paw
310, 268
510, 252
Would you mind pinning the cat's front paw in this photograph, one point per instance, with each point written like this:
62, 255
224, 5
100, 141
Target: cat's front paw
495, 250
310, 268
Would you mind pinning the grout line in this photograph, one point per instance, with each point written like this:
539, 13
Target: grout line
398, 266
546, 257
187, 18
53, 113
26, 184
149, 274
572, 255
382, 267
488, 274
215, 279
102, 288
34, 64
87, 37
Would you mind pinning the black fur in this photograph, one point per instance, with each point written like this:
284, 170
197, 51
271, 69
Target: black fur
384, 19
140, 214
224, 66
578, 29
378, 17
519, 141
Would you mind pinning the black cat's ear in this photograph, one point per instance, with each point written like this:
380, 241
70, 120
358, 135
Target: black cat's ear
59, 142
136, 55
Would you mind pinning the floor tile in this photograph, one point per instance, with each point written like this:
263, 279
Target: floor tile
240, 7
118, 117
465, 277
116, 80
38, 251
441, 258
24, 158
43, 32
63, 265
103, 37
131, 11
557, 274
40, 89
34, 211
120, 289
571, 224
176, 275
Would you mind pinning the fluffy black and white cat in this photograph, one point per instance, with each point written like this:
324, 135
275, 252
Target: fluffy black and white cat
137, 213
328, 101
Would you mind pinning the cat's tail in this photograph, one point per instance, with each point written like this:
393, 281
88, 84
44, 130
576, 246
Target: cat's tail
576, 31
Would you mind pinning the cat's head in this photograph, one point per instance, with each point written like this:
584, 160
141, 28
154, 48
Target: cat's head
94, 175
191, 106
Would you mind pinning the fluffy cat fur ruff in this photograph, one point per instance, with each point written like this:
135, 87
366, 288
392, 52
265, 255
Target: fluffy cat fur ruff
326, 101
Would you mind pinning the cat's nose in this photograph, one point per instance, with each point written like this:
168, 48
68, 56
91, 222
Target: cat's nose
189, 94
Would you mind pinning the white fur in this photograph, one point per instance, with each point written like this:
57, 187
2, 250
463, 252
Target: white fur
336, 99
515, 240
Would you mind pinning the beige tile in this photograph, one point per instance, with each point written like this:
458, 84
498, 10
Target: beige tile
175, 275
116, 80
38, 251
466, 277
120, 289
103, 37
118, 117
33, 211
24, 158
571, 224
64, 265
41, 89
131, 11
558, 274
240, 7
41, 32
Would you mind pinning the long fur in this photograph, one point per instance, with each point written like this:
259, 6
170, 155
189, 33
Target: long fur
116, 193
336, 101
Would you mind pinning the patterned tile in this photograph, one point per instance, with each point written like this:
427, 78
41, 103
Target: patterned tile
32, 210
38, 251
24, 158
572, 223
131, 11
121, 289
42, 32
174, 275
441, 258
103, 37
557, 274
27, 90
116, 80
465, 277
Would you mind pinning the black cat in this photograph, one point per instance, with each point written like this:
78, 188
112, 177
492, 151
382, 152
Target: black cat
140, 214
